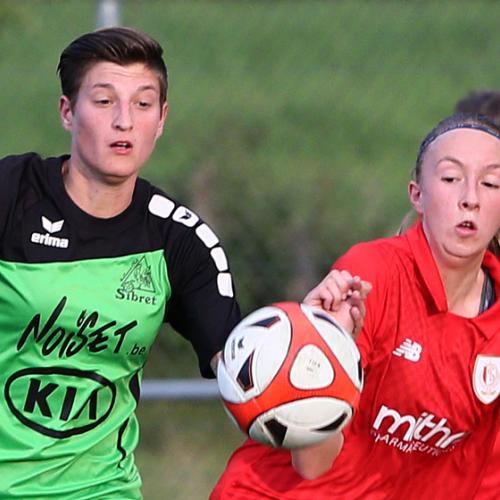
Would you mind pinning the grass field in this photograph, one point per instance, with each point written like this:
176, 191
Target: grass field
293, 127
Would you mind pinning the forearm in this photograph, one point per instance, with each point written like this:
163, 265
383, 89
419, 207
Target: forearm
215, 361
313, 461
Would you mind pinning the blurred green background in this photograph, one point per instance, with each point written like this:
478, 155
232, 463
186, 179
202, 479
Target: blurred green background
293, 128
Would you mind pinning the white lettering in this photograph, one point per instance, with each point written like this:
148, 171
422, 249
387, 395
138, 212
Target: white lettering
436, 429
403, 447
451, 440
425, 421
49, 241
398, 420
417, 431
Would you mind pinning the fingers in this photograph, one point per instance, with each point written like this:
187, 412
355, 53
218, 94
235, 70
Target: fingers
343, 295
344, 317
357, 316
366, 288
336, 287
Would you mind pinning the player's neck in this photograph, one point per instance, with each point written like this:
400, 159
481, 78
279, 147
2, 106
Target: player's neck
95, 197
463, 290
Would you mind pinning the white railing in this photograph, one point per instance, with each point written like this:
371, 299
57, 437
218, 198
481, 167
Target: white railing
195, 388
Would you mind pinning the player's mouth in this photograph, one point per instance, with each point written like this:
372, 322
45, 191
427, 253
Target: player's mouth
466, 228
121, 147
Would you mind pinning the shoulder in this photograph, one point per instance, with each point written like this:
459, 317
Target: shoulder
166, 208
28, 168
169, 213
191, 246
376, 258
16, 172
15, 164
492, 263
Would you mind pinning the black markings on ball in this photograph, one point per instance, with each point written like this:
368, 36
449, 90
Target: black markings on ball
277, 431
360, 372
267, 322
333, 426
244, 378
328, 319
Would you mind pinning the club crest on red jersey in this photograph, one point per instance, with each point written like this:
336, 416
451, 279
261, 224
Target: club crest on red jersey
486, 378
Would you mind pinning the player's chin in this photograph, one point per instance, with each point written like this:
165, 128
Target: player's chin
118, 174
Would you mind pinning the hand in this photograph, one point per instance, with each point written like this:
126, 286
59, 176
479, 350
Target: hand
342, 295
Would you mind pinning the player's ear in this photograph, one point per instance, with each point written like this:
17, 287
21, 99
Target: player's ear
65, 112
415, 194
163, 119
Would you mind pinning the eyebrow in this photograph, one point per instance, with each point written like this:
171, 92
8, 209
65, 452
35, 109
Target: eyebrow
451, 159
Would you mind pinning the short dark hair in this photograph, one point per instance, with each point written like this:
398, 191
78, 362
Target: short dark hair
482, 102
119, 45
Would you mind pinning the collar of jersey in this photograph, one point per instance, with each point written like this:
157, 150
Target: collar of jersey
82, 218
427, 265
487, 322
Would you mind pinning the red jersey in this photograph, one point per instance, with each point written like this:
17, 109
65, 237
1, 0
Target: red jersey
429, 412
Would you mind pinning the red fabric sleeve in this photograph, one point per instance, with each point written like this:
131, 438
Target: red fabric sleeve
367, 261
490, 485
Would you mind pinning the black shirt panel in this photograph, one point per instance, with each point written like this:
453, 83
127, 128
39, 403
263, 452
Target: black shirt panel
39, 223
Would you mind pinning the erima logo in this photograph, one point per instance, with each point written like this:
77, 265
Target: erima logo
52, 227
408, 433
48, 240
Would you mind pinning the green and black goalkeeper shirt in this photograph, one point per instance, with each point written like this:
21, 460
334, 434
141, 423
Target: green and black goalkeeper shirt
81, 302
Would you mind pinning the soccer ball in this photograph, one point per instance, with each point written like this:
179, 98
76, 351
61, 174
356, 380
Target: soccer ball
290, 375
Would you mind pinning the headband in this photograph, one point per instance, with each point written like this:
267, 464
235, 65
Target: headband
475, 126
453, 126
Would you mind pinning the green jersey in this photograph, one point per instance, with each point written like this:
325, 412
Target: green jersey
81, 302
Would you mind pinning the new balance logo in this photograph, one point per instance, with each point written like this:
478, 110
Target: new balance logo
409, 350
48, 240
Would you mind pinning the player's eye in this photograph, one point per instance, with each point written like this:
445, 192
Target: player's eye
102, 101
491, 184
144, 104
449, 178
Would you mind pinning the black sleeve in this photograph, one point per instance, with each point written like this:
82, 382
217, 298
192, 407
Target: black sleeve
202, 308
12, 170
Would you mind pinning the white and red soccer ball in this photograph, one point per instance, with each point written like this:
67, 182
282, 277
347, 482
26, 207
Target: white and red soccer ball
290, 375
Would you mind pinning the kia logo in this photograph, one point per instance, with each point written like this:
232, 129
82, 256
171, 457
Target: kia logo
59, 402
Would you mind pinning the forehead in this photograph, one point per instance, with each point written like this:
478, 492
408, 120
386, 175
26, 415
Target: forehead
112, 75
468, 146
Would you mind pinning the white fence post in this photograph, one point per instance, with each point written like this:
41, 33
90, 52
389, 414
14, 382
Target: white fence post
108, 13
